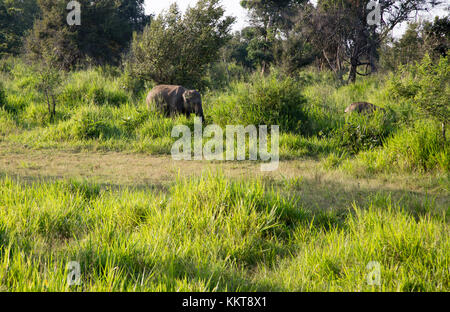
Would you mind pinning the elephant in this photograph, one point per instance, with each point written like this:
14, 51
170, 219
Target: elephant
172, 100
363, 107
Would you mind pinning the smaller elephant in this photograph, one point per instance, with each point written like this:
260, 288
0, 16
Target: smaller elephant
363, 107
172, 100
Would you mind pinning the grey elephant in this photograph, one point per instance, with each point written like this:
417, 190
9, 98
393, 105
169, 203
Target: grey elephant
172, 100
363, 107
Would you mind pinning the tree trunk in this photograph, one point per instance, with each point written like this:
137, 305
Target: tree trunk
263, 68
352, 75
444, 137
373, 65
54, 107
48, 104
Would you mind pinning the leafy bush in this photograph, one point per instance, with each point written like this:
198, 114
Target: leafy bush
134, 120
6, 65
132, 84
427, 86
271, 100
35, 115
327, 99
177, 48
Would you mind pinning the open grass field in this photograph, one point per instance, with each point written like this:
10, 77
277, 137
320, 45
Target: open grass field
98, 100
358, 203
136, 222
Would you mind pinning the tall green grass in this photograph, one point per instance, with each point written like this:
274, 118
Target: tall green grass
418, 148
213, 234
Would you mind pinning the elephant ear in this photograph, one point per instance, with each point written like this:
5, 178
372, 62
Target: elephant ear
188, 94
186, 97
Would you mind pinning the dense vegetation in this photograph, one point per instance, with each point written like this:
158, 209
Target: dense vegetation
84, 89
97, 110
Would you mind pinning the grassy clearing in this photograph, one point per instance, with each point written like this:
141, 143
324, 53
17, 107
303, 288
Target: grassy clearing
210, 233
97, 186
101, 109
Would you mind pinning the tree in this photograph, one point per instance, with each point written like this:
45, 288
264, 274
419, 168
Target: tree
16, 18
236, 50
271, 21
176, 48
345, 33
405, 51
420, 38
437, 36
428, 86
106, 29
49, 79
293, 51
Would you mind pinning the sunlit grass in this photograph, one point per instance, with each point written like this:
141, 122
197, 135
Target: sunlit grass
213, 234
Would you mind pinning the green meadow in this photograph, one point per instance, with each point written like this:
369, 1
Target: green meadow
351, 190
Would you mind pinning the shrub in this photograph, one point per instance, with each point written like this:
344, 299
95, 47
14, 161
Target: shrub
16, 103
157, 127
272, 100
177, 48
134, 120
132, 84
35, 115
221, 74
327, 99
418, 148
6, 65
427, 86
363, 132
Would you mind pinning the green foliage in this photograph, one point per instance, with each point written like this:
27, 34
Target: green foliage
176, 48
93, 87
260, 47
294, 53
236, 50
7, 123
426, 85
49, 80
272, 100
135, 120
438, 36
16, 18
89, 125
96, 111
6, 64
405, 51
273, 37
416, 148
428, 37
2, 95
105, 32
221, 74
363, 132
